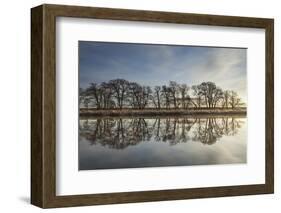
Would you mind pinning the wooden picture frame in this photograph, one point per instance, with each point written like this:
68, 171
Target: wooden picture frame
43, 105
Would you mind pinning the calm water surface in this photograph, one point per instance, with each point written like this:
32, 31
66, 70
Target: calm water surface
107, 143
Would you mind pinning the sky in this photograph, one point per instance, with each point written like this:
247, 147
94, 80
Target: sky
152, 64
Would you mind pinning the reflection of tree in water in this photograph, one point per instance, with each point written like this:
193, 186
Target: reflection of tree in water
119, 133
208, 131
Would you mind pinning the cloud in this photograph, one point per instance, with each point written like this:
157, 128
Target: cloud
158, 64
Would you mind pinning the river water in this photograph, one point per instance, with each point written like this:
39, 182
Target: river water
110, 143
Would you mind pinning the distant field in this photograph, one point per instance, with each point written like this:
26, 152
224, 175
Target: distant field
160, 112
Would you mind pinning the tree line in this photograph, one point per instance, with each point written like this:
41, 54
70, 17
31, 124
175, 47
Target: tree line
120, 94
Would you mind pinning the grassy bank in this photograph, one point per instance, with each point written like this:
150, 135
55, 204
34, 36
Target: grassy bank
161, 112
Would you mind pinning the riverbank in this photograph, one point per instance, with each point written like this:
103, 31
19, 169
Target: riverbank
162, 112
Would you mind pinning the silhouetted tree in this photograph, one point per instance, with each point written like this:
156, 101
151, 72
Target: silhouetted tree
140, 95
226, 96
121, 90
197, 101
172, 89
165, 92
217, 97
156, 97
122, 93
106, 95
207, 89
184, 97
234, 100
95, 91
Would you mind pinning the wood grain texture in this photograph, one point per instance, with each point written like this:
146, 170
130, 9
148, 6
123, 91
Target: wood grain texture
36, 106
269, 106
43, 105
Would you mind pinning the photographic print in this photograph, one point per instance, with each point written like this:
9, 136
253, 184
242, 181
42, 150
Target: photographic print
155, 105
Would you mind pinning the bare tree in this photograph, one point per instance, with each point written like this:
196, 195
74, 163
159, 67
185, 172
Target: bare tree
184, 97
207, 90
156, 97
120, 88
173, 92
145, 96
94, 91
234, 100
197, 101
226, 96
135, 91
120, 93
106, 93
139, 95
210, 92
217, 97
165, 92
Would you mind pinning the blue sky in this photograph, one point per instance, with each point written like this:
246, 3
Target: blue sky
154, 65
